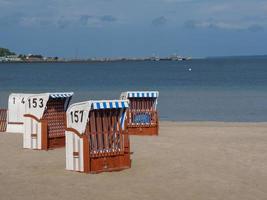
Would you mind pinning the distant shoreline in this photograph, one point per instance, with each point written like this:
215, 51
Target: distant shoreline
86, 61
110, 60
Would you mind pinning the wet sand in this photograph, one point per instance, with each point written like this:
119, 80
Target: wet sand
194, 160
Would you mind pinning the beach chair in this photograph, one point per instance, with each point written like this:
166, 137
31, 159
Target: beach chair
142, 116
3, 120
16, 111
45, 120
95, 137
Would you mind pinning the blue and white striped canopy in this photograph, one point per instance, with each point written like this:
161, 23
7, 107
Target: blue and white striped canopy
140, 94
60, 95
109, 104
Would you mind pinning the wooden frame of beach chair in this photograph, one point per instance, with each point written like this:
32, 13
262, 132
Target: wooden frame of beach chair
3, 120
142, 115
95, 137
45, 120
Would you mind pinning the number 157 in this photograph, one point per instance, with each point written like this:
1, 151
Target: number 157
76, 116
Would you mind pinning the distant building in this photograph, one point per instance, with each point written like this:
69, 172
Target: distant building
34, 58
13, 58
10, 58
52, 59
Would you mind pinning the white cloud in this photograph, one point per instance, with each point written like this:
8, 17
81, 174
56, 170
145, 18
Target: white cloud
178, 1
225, 14
227, 25
159, 21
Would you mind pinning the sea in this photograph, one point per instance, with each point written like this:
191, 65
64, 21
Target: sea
228, 89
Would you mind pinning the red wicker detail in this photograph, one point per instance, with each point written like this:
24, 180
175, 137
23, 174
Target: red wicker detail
104, 132
3, 120
109, 148
142, 118
56, 122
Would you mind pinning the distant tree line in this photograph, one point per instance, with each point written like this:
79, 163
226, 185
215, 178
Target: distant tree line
5, 52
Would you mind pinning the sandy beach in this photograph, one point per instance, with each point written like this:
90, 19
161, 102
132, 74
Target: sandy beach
190, 160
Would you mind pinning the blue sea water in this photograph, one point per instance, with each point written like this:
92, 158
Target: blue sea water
216, 89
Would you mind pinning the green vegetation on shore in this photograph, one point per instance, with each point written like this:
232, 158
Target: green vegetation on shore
5, 52
7, 56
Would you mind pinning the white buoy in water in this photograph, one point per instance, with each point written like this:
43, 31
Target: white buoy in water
190, 69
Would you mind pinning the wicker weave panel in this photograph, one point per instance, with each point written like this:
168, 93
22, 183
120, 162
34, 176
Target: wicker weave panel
55, 116
3, 120
105, 133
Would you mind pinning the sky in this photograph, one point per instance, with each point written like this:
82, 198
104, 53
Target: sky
136, 28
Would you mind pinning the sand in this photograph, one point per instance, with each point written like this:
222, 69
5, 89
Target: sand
194, 160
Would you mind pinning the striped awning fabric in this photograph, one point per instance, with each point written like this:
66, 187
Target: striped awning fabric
110, 104
60, 95
140, 94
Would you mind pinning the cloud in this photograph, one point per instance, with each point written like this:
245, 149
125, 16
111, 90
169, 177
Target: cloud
192, 24
178, 1
107, 18
210, 24
22, 20
221, 24
159, 21
256, 28
13, 19
225, 14
45, 22
63, 22
29, 21
84, 19
95, 21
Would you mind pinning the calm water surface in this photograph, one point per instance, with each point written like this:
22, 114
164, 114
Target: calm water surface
221, 89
